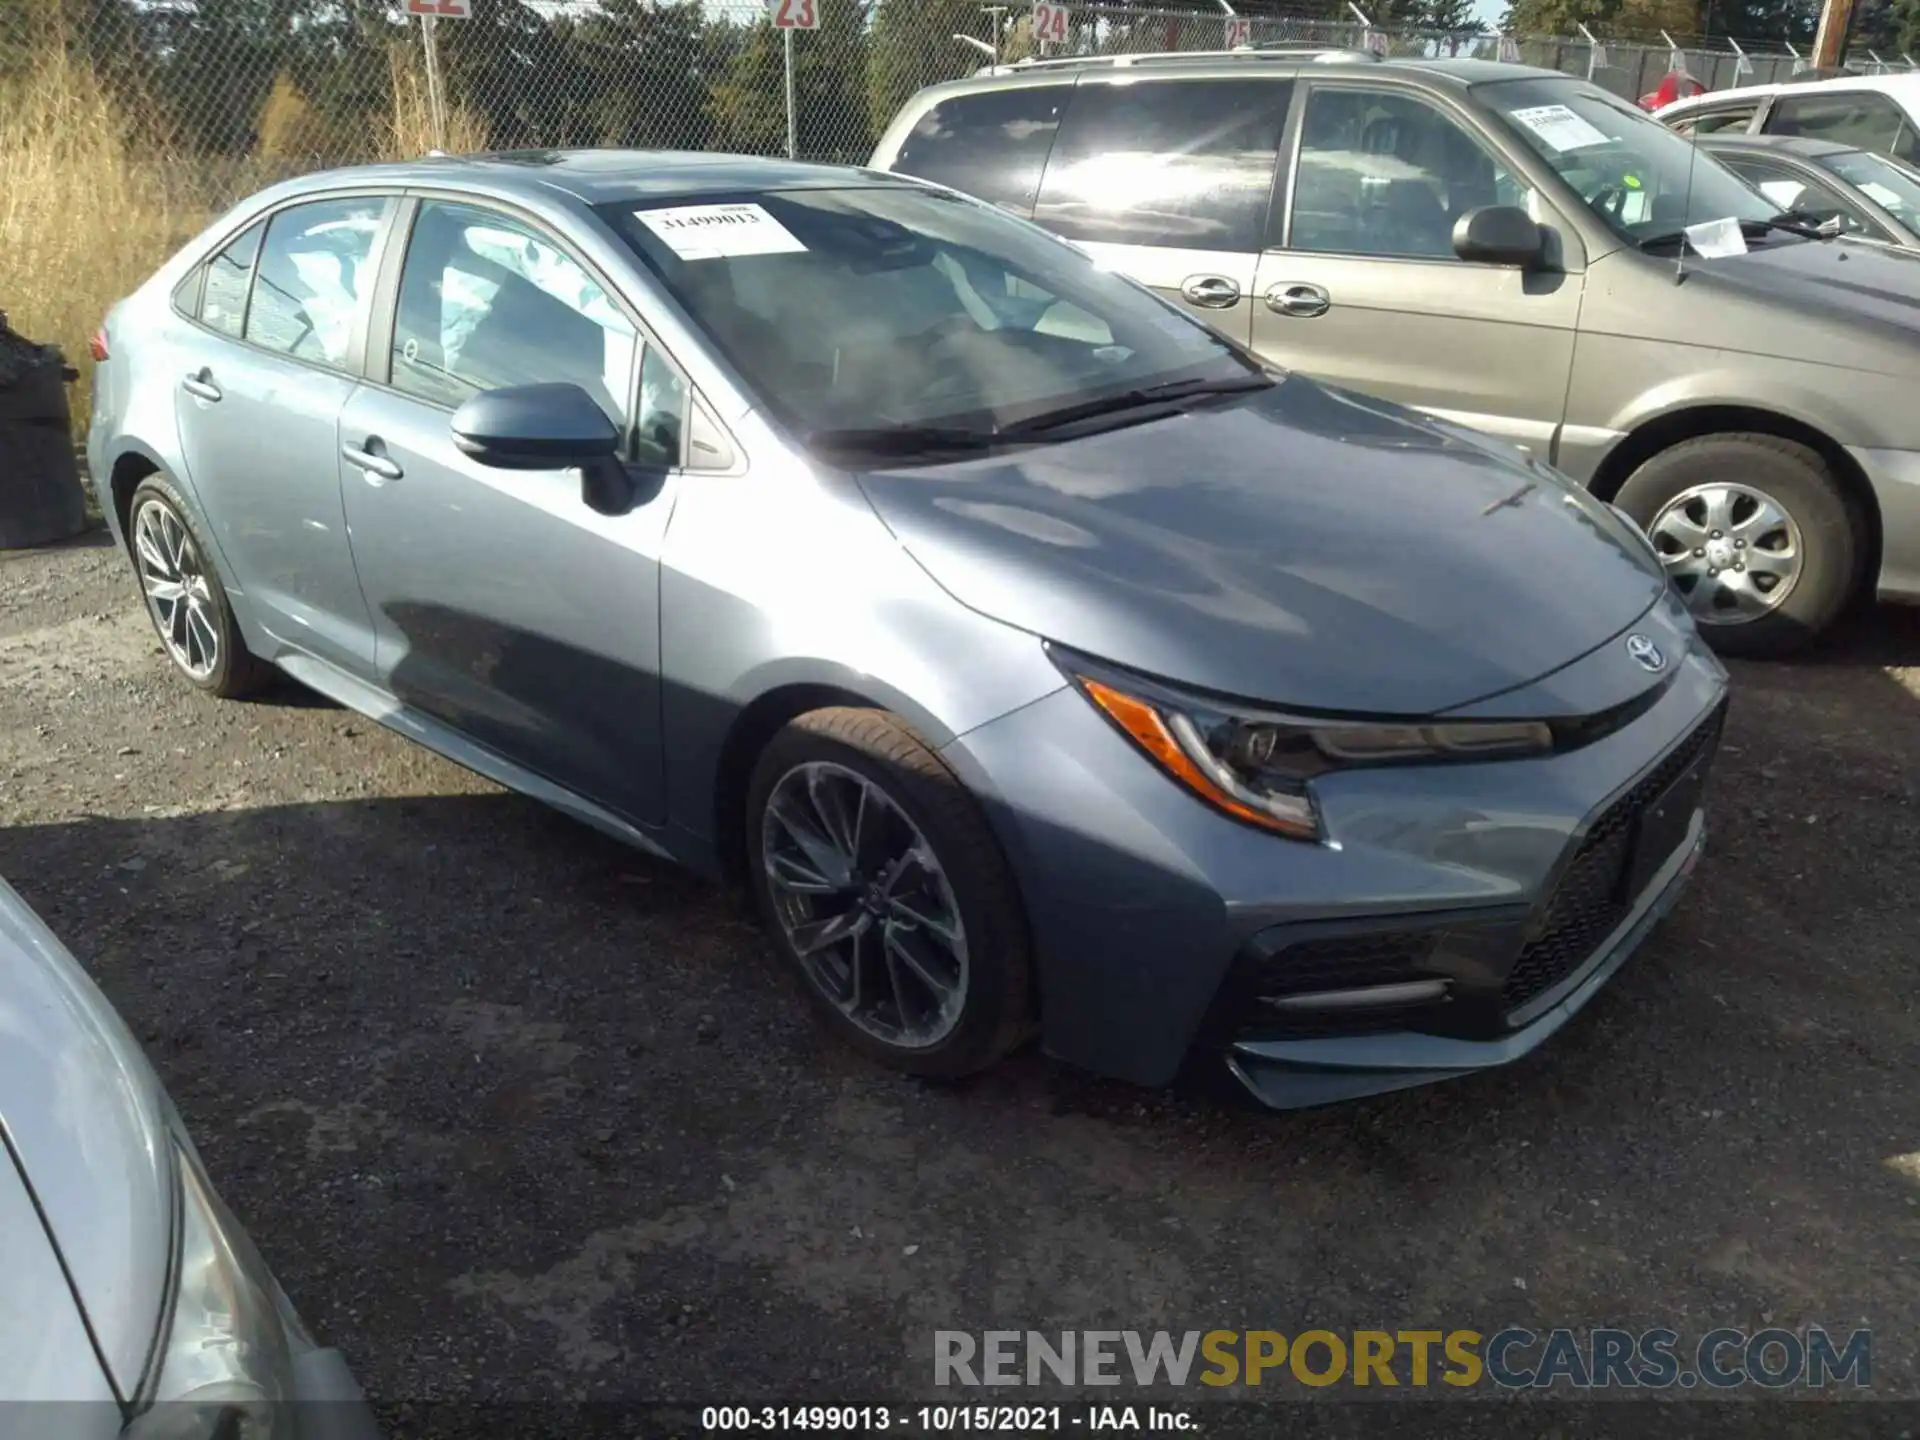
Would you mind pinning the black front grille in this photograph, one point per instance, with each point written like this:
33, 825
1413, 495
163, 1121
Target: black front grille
1589, 902
1333, 962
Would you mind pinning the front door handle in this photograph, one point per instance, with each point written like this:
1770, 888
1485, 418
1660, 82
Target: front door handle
200, 384
1299, 300
372, 461
1210, 292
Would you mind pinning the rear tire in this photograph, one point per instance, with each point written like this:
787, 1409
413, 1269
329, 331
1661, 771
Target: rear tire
882, 886
185, 599
1756, 534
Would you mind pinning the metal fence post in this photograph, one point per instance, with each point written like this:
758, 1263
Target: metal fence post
436, 106
792, 129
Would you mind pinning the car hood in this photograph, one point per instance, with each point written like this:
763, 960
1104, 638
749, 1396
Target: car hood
1305, 546
83, 1115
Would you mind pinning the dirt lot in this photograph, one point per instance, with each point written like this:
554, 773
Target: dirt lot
516, 1113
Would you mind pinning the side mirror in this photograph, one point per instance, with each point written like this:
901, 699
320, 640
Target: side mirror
1498, 235
535, 427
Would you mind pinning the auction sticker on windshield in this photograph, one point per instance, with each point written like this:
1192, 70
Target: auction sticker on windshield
717, 232
1559, 127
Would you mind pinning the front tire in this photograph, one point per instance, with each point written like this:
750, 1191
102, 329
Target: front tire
185, 599
881, 884
1756, 535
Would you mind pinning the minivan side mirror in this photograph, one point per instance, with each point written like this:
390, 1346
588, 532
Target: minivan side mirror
1498, 235
534, 427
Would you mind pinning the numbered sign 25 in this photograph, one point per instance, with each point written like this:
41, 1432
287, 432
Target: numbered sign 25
1050, 23
796, 14
1239, 32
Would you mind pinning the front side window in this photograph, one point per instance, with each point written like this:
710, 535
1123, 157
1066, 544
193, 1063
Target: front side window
993, 145
1638, 176
1848, 117
1179, 163
1889, 184
892, 306
314, 276
1799, 196
1381, 173
485, 303
223, 297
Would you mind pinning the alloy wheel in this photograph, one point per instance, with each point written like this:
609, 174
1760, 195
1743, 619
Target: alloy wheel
1732, 551
174, 579
865, 905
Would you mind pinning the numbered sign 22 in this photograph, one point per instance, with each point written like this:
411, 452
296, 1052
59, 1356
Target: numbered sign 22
1239, 32
1050, 23
796, 14
442, 9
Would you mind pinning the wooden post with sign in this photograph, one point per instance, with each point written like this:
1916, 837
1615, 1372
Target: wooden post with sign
789, 16
431, 13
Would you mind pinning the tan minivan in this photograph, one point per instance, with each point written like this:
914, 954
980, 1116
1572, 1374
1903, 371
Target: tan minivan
1512, 249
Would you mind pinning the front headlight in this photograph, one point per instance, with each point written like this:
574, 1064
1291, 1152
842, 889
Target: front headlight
1257, 766
224, 1368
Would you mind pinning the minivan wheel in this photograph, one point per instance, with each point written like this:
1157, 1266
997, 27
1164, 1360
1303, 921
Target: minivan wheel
185, 599
1755, 534
880, 882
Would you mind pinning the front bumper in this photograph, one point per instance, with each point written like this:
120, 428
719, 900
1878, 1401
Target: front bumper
1518, 884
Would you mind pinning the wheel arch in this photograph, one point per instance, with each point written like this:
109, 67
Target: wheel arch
1693, 422
133, 464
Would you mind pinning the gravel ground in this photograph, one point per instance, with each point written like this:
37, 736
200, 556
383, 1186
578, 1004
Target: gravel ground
519, 1114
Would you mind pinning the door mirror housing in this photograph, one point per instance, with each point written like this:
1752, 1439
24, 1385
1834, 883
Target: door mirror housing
535, 427
1498, 235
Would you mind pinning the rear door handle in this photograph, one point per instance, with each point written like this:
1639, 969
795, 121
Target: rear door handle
372, 461
1210, 292
1299, 300
200, 385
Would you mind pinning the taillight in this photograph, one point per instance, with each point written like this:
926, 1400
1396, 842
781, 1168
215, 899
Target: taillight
97, 344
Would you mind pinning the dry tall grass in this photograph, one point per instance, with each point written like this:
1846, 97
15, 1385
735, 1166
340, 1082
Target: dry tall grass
412, 123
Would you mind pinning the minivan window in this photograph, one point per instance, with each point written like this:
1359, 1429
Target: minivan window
313, 277
893, 306
1638, 176
992, 144
1859, 118
1187, 164
1382, 173
223, 300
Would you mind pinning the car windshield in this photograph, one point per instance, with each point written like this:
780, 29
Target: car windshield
891, 308
1644, 180
1891, 186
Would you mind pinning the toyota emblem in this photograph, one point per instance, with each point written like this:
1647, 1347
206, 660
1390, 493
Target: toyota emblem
1645, 653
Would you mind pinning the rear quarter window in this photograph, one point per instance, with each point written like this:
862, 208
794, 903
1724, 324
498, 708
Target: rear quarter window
992, 145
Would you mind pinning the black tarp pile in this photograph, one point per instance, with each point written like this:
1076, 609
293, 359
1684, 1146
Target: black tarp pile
40, 495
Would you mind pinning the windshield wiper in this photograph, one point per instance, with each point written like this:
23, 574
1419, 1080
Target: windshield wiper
1139, 398
1753, 229
904, 440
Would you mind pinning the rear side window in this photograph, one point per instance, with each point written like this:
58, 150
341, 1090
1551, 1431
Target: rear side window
1735, 118
223, 298
315, 273
1858, 118
992, 145
1180, 163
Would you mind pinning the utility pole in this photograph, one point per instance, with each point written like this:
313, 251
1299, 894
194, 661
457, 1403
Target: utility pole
1830, 43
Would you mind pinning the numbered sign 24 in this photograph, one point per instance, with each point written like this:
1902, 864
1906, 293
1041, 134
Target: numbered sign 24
1049, 23
1239, 32
796, 14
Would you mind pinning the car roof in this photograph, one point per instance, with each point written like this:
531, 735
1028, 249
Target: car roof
1214, 64
1808, 146
597, 177
1905, 85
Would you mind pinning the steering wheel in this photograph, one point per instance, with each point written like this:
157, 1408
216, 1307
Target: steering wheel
1610, 200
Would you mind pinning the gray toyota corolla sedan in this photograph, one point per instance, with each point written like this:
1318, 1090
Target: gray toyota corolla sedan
1044, 662
131, 1303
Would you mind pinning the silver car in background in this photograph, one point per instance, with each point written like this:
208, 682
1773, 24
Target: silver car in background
131, 1302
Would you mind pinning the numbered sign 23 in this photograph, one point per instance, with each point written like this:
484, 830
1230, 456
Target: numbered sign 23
796, 14
1049, 23
1239, 32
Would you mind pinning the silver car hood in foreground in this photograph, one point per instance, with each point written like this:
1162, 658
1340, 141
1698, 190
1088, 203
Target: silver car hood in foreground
1305, 547
82, 1113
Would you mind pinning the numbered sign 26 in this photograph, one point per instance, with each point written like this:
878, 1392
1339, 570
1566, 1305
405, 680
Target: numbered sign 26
1050, 23
796, 14
1239, 32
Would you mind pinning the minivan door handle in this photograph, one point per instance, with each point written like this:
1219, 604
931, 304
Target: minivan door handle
1210, 292
1302, 301
200, 384
372, 461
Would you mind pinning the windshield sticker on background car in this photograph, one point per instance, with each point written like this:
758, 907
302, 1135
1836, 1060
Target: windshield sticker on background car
1713, 239
1560, 128
716, 232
